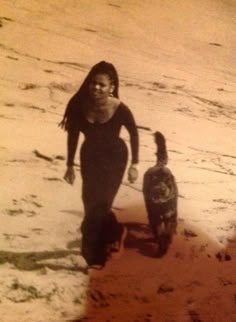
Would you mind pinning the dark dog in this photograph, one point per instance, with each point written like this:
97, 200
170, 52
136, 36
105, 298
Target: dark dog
160, 196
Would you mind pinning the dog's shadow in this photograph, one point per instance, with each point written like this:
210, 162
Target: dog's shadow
141, 239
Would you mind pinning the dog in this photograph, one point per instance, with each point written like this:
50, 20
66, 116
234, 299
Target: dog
161, 197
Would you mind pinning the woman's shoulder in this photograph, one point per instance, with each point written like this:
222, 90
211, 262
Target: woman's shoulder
123, 105
117, 106
125, 111
123, 108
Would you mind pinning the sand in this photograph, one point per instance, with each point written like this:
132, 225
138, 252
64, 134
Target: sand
176, 61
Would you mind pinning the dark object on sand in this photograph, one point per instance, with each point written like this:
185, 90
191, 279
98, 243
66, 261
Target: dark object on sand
160, 195
42, 156
223, 256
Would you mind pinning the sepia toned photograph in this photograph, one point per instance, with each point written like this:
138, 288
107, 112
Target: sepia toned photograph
118, 161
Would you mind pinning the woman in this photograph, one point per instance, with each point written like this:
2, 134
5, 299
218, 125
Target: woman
96, 111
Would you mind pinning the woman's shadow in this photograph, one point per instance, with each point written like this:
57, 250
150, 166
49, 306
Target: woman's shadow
182, 285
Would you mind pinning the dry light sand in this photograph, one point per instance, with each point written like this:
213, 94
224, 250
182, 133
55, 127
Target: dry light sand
177, 67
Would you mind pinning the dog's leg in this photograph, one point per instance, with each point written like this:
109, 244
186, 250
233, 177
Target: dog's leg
170, 228
165, 236
161, 239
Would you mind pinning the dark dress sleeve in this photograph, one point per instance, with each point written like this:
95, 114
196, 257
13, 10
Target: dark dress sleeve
129, 123
73, 130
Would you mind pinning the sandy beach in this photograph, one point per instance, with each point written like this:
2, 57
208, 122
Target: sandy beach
176, 62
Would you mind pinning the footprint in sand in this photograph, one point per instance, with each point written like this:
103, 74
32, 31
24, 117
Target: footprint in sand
9, 104
194, 316
31, 199
37, 231
12, 236
4, 19
165, 288
53, 179
20, 211
114, 5
159, 85
21, 206
28, 86
222, 256
12, 58
189, 233
49, 71
20, 292
14, 212
215, 44
89, 30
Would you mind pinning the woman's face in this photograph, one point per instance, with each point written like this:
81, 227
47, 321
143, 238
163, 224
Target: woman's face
101, 87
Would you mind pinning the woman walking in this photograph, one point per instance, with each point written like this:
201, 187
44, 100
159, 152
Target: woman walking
96, 111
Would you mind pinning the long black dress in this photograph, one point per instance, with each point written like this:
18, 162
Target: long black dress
103, 159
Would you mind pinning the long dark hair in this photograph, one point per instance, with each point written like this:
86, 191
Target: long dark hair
82, 95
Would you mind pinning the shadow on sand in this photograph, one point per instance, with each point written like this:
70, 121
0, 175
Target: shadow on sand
183, 286
30, 261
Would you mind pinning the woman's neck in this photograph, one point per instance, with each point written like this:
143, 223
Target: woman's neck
110, 103
100, 104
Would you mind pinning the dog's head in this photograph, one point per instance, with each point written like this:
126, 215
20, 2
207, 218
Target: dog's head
161, 185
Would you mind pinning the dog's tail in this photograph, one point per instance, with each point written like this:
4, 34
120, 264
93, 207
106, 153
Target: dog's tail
162, 155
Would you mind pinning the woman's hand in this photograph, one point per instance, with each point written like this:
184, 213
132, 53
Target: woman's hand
132, 173
69, 176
